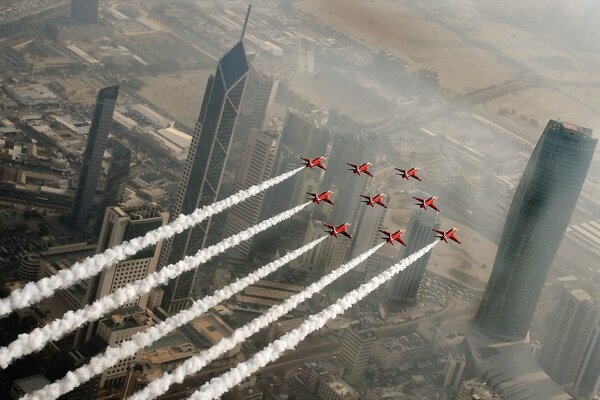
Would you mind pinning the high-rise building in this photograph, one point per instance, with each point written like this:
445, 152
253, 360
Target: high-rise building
84, 11
116, 179
356, 351
368, 223
347, 148
538, 217
121, 225
302, 136
116, 329
213, 162
453, 373
587, 381
255, 168
405, 286
92, 157
255, 106
567, 338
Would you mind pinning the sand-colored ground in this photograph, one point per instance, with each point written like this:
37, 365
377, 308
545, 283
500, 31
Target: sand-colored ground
390, 25
470, 264
535, 106
327, 94
179, 94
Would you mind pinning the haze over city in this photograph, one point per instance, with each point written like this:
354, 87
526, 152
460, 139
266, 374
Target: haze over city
299, 199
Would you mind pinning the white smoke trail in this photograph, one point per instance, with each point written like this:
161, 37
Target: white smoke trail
129, 348
196, 363
28, 343
44, 288
222, 384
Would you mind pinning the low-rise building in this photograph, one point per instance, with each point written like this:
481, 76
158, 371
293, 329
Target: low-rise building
337, 389
393, 352
476, 389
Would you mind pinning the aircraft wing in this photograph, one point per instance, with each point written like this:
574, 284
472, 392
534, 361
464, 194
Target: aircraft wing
346, 234
455, 239
434, 207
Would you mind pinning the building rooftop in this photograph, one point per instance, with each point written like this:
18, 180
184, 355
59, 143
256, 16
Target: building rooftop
127, 318
570, 129
510, 369
31, 383
211, 327
397, 343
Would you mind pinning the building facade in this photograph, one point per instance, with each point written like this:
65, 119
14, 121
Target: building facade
92, 157
204, 169
116, 179
356, 351
394, 352
567, 338
406, 285
537, 220
117, 329
587, 381
255, 168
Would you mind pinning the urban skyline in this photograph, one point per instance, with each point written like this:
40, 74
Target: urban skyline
217, 220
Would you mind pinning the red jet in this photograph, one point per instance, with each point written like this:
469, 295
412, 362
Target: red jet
444, 236
340, 230
358, 169
316, 162
318, 198
411, 173
430, 202
397, 236
371, 201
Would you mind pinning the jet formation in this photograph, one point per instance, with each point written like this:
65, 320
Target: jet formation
358, 169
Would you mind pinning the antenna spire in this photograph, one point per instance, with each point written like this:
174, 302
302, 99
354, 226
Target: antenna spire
246, 22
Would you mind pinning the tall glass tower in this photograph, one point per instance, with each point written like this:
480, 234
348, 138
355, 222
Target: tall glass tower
92, 157
536, 223
205, 167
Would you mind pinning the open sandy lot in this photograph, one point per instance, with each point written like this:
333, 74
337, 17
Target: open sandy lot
179, 94
390, 25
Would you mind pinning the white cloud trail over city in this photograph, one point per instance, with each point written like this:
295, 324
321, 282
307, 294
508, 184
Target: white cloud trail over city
28, 343
33, 292
129, 348
192, 365
217, 386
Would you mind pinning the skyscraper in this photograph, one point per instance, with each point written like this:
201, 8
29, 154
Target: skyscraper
302, 136
84, 11
116, 179
122, 224
405, 286
205, 169
536, 222
568, 335
368, 223
353, 148
92, 157
255, 168
587, 381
